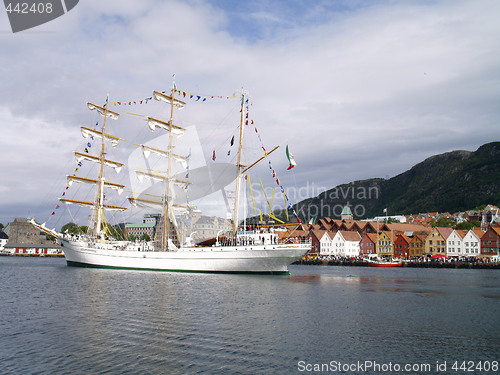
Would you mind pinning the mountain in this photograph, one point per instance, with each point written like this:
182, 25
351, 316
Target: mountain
450, 182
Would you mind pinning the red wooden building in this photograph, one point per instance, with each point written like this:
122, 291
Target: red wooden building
490, 242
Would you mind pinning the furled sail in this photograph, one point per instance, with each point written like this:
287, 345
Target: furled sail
157, 177
146, 203
85, 180
174, 129
103, 111
113, 164
86, 132
168, 99
153, 176
147, 150
155, 204
91, 204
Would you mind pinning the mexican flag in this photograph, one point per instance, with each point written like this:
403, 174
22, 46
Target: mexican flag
291, 160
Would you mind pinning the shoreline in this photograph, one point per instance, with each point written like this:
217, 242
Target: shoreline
409, 264
33, 255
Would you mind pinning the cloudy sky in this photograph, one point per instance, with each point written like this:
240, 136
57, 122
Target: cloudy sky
357, 89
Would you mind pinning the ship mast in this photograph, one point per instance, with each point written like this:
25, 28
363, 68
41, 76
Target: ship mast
98, 206
239, 166
166, 220
99, 203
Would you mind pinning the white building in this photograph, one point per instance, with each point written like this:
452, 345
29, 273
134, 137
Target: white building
3, 240
454, 245
346, 244
325, 244
463, 243
471, 243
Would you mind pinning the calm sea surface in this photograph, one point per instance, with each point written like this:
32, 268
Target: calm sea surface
56, 319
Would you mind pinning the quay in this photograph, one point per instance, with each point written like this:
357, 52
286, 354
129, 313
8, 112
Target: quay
406, 263
31, 255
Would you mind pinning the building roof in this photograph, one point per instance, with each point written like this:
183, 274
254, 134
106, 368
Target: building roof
403, 227
3, 236
350, 235
445, 232
371, 236
324, 224
478, 232
490, 208
318, 233
419, 237
346, 211
462, 232
404, 237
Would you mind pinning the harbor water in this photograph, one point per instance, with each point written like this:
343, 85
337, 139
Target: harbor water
56, 319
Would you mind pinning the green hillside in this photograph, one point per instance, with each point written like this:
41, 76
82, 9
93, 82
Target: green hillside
451, 182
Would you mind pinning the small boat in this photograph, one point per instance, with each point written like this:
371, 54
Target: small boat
384, 262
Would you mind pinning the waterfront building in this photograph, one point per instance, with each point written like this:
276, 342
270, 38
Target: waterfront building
454, 245
402, 246
385, 244
325, 244
20, 231
368, 244
490, 241
346, 244
435, 243
3, 240
471, 242
316, 237
32, 249
417, 245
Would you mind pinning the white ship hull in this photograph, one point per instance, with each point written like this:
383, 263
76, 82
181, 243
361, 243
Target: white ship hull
271, 258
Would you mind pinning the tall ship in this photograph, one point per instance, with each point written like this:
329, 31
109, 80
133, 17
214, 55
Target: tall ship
241, 249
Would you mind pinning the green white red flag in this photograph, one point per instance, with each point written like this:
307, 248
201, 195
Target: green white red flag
291, 160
